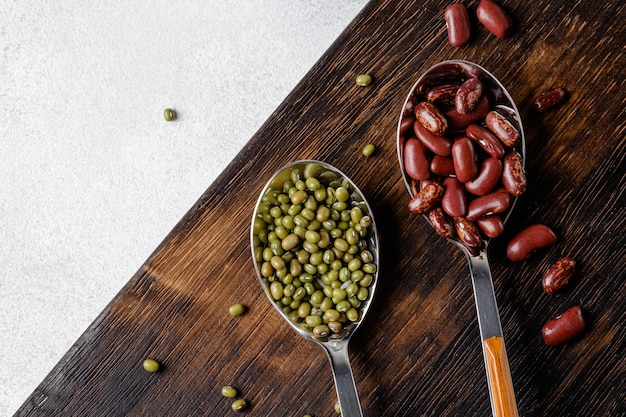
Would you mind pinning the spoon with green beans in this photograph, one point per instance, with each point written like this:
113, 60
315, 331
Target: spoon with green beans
315, 250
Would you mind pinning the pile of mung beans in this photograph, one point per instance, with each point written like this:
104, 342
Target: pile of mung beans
314, 246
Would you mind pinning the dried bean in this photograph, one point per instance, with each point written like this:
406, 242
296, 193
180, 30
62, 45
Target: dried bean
468, 233
559, 274
428, 197
513, 174
491, 15
416, 162
493, 203
502, 128
453, 201
458, 121
431, 117
464, 159
489, 142
565, 327
442, 165
439, 145
488, 177
441, 223
458, 24
492, 226
526, 242
467, 95
549, 99
443, 95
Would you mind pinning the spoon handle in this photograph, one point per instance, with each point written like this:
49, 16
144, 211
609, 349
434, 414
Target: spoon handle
499, 378
344, 381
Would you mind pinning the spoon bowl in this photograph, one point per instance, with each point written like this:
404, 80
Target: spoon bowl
355, 287
455, 73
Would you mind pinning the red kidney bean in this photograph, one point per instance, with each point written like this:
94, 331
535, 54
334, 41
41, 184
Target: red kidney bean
502, 128
513, 175
431, 117
464, 159
493, 203
526, 242
467, 95
458, 121
441, 223
549, 99
488, 177
427, 199
491, 15
492, 226
565, 327
559, 274
409, 106
486, 140
469, 234
416, 160
458, 23
453, 201
442, 165
406, 125
443, 95
440, 145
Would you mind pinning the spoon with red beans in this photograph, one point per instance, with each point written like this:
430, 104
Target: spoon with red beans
461, 150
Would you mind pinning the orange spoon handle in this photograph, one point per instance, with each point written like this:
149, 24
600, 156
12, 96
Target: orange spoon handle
500, 382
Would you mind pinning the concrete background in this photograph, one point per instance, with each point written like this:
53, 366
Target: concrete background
92, 178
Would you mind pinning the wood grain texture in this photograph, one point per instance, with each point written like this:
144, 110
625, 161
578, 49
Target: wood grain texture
418, 353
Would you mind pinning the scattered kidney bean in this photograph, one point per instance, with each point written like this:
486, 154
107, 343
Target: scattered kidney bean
526, 242
464, 159
442, 165
415, 160
493, 203
559, 274
549, 99
491, 15
492, 226
441, 223
486, 140
467, 95
564, 327
440, 145
513, 175
488, 177
431, 117
458, 23
453, 201
427, 199
443, 95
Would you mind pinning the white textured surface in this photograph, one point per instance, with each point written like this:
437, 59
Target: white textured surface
91, 176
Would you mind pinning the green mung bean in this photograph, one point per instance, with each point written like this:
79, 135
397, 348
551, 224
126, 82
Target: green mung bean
237, 309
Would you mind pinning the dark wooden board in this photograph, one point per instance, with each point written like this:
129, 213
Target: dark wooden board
418, 353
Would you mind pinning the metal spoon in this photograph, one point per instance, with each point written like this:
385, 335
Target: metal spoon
335, 345
499, 380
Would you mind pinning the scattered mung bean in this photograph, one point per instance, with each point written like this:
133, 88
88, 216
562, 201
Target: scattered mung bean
369, 149
229, 392
364, 80
151, 365
237, 309
169, 114
239, 405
